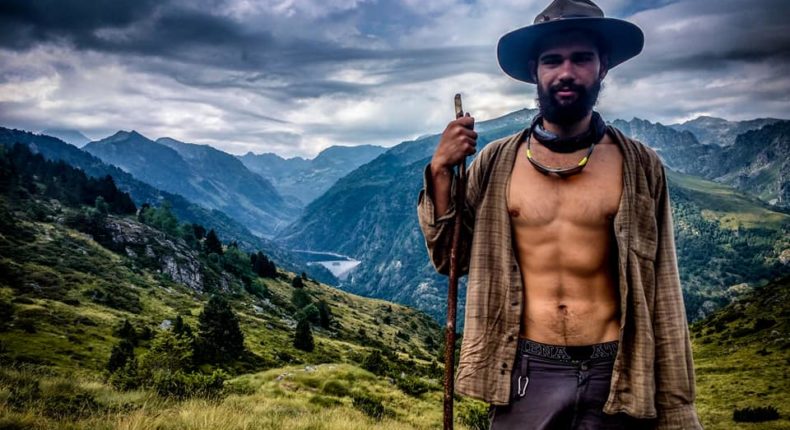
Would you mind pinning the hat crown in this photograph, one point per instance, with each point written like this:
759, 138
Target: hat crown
560, 9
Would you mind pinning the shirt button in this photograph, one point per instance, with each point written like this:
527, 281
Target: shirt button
502, 372
504, 365
515, 268
510, 338
514, 304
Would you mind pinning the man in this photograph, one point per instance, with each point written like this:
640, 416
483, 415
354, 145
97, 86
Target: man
574, 315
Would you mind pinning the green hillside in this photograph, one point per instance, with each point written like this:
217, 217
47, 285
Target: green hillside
728, 206
76, 280
727, 242
82, 275
741, 355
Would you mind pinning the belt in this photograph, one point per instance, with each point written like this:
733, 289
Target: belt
606, 350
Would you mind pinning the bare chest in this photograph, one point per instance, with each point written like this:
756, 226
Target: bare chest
588, 199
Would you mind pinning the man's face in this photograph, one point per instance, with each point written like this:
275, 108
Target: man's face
569, 75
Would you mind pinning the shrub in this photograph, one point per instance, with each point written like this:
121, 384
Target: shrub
303, 337
257, 289
6, 314
369, 406
475, 416
300, 298
126, 377
412, 385
181, 385
121, 354
334, 388
27, 325
309, 313
124, 299
763, 323
375, 363
70, 405
324, 402
755, 415
169, 353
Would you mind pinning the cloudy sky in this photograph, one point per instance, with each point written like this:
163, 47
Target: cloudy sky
296, 76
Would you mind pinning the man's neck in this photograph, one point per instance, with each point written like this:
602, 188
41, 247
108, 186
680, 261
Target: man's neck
570, 130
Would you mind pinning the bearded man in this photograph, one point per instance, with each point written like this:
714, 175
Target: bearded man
574, 313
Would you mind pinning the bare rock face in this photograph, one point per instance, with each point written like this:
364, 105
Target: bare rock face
156, 251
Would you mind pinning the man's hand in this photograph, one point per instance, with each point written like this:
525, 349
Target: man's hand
458, 141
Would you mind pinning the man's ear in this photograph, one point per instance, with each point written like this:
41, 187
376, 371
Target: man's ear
533, 69
604, 67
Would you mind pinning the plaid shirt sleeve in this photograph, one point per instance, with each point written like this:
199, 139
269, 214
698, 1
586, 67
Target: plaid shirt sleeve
438, 231
674, 366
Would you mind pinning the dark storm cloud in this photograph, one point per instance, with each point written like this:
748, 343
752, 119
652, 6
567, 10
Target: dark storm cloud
241, 72
703, 35
28, 22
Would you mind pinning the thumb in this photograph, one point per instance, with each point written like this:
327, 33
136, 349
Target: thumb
472, 123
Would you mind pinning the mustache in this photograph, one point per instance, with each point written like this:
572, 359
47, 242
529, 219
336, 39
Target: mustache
579, 89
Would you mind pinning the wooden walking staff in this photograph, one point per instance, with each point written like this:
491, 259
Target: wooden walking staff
452, 290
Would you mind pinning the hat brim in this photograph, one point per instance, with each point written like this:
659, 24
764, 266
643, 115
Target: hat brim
623, 41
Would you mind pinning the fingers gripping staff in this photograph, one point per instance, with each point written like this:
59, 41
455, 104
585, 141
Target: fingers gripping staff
452, 291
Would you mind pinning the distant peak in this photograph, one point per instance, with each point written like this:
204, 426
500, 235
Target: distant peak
122, 135
706, 119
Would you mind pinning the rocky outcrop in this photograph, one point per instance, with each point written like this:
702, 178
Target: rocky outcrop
157, 251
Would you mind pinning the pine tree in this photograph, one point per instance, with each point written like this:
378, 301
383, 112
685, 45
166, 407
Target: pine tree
324, 314
213, 244
300, 298
181, 328
121, 354
127, 332
219, 339
303, 338
297, 282
200, 231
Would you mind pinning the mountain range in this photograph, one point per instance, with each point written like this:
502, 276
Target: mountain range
368, 214
141, 192
201, 174
306, 179
718, 131
756, 162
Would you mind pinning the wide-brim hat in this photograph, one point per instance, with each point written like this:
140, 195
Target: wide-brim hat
622, 40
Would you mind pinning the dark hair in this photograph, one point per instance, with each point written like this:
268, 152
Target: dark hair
594, 36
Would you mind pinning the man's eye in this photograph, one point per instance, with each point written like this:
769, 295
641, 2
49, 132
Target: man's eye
551, 61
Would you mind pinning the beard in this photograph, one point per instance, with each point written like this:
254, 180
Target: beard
567, 114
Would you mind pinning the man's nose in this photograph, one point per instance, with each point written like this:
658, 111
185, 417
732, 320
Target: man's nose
566, 70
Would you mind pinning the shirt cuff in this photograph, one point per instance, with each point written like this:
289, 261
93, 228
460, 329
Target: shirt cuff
678, 418
425, 204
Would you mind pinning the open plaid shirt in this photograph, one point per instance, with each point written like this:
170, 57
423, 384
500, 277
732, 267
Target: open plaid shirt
653, 374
